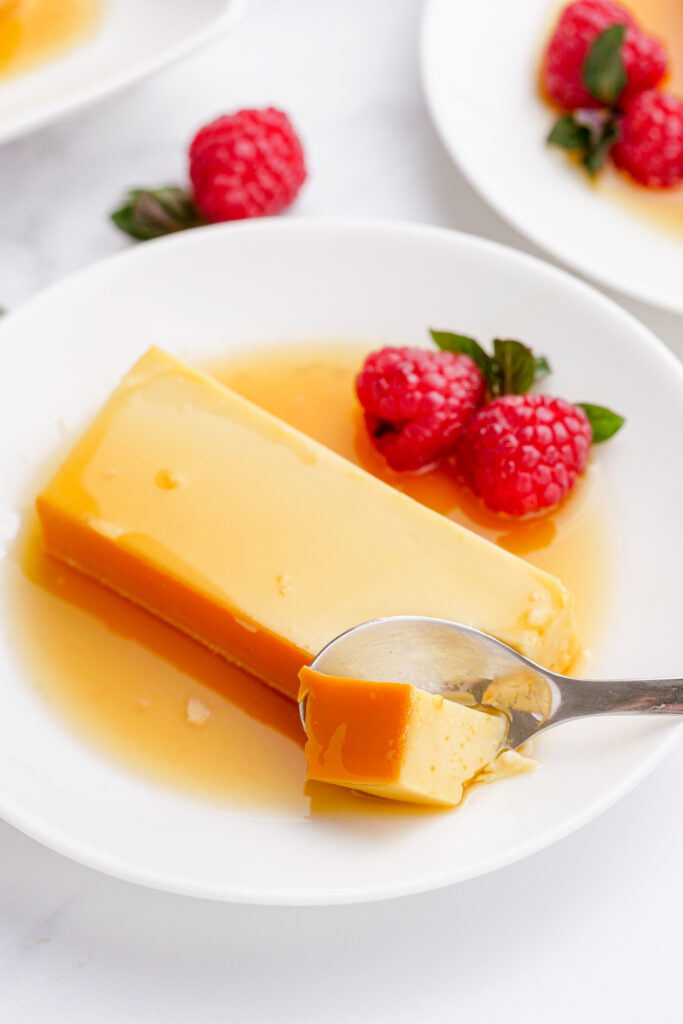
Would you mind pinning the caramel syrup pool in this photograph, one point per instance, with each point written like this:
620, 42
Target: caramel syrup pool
163, 706
35, 31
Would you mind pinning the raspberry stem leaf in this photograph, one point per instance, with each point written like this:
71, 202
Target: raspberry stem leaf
462, 345
569, 134
592, 132
595, 155
511, 370
516, 367
604, 422
147, 214
541, 367
604, 74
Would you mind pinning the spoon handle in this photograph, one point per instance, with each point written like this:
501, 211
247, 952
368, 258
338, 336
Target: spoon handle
584, 697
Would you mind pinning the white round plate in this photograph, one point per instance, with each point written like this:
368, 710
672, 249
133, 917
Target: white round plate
132, 40
213, 291
479, 69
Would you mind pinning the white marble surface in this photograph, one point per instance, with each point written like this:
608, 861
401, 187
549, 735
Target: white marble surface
586, 930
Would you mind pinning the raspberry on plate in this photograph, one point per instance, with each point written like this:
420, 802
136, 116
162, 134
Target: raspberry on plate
248, 164
580, 24
650, 148
416, 402
523, 453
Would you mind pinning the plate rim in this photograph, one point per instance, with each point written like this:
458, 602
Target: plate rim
386, 224
53, 111
90, 857
494, 197
97, 859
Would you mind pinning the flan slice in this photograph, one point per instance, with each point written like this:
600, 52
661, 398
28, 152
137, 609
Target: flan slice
394, 740
263, 544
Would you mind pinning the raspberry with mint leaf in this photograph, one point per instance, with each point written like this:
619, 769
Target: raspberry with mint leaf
599, 55
417, 401
246, 164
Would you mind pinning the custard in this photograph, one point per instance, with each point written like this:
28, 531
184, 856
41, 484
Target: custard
263, 544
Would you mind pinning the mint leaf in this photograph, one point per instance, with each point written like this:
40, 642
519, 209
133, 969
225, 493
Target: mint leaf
516, 367
147, 214
600, 146
603, 73
462, 345
569, 134
604, 422
511, 370
541, 367
592, 132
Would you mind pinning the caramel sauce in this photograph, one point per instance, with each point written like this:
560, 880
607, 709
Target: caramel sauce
166, 708
661, 207
373, 716
125, 680
664, 20
35, 31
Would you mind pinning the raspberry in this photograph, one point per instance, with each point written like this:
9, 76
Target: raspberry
416, 402
522, 453
579, 25
650, 148
248, 164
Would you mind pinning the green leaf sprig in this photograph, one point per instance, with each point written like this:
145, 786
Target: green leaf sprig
147, 214
593, 132
603, 73
513, 369
590, 132
604, 422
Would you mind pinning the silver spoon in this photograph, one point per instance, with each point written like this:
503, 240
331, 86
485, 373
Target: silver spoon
466, 665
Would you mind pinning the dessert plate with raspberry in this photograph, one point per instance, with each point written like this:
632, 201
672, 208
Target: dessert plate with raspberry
568, 119
461, 431
54, 62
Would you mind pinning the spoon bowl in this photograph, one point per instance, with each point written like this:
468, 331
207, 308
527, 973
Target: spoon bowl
466, 665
